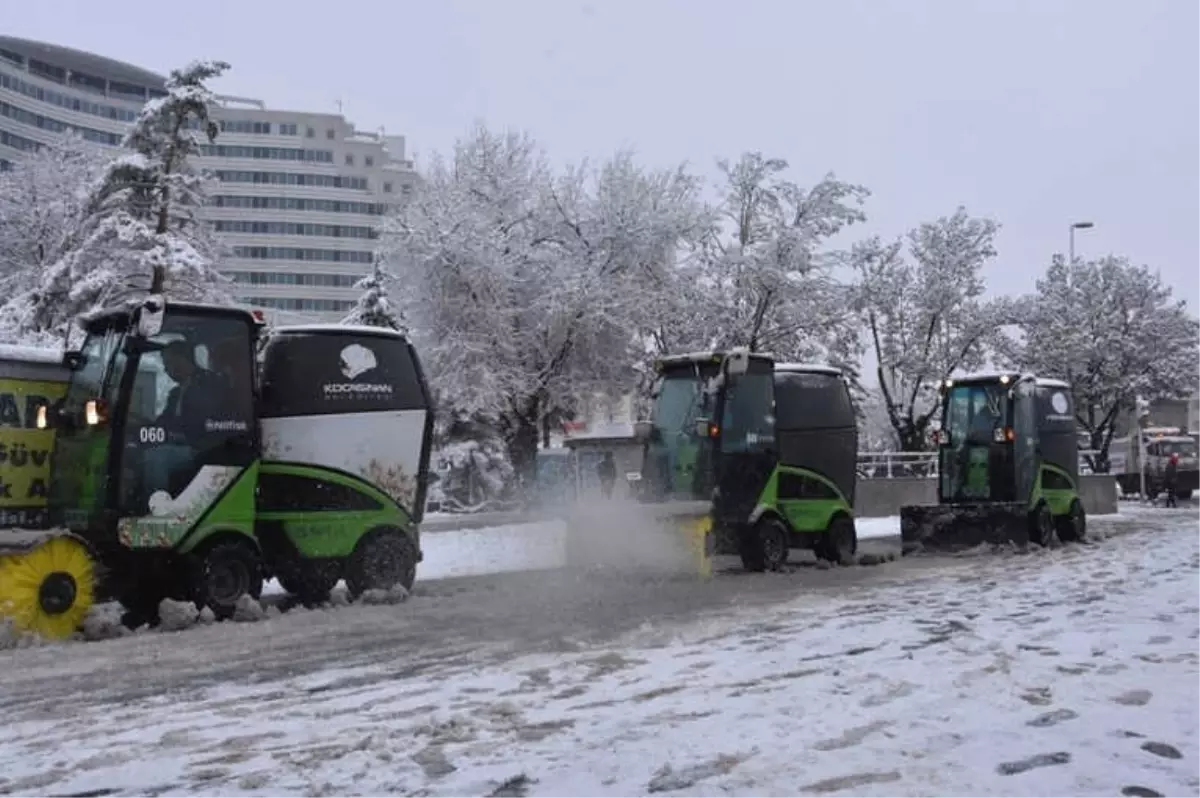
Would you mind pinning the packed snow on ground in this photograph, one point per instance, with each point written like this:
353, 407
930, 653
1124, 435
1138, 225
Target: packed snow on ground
1072, 671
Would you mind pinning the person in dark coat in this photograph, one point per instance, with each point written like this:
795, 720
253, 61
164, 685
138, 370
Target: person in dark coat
607, 471
1170, 476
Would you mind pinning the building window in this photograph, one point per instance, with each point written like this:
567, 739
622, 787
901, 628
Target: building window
349, 159
247, 126
293, 229
71, 103
126, 90
55, 126
266, 153
285, 303
287, 129
299, 204
292, 179
294, 278
303, 253
310, 133
387, 188
369, 160
330, 134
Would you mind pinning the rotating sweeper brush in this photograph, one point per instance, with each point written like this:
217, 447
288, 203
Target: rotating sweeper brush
47, 582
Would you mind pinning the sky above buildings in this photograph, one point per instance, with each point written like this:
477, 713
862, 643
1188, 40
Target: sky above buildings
1035, 113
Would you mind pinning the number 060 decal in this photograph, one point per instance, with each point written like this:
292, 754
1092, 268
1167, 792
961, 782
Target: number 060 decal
152, 435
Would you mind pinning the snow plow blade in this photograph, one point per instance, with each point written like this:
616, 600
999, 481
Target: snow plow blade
668, 538
47, 581
954, 527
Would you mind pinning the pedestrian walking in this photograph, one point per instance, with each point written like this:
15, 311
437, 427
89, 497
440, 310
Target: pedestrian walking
1170, 477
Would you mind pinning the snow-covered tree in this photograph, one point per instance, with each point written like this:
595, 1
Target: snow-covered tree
374, 307
875, 430
43, 206
142, 233
527, 288
766, 281
927, 319
1113, 331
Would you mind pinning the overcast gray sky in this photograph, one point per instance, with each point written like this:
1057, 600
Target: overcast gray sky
1035, 112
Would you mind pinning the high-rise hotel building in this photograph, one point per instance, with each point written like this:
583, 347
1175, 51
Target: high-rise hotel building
300, 195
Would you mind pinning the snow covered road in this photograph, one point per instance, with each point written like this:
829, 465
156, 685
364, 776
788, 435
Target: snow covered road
1065, 672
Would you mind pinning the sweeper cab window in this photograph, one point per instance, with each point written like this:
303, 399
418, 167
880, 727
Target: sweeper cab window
975, 456
187, 401
676, 451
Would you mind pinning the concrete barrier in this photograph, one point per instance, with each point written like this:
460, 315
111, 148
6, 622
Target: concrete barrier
875, 498
878, 498
1099, 493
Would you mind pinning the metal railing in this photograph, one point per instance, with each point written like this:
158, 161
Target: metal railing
889, 465
922, 465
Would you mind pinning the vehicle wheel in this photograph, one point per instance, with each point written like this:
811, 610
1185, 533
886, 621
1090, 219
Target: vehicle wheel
384, 557
772, 539
1072, 527
1041, 527
309, 582
224, 572
839, 542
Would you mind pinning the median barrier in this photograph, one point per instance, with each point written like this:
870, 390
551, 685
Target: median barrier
874, 498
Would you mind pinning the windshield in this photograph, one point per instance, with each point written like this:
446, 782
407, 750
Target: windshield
975, 412
975, 418
1181, 448
678, 403
81, 450
88, 380
674, 448
748, 423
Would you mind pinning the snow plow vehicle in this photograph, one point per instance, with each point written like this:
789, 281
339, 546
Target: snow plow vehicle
1008, 466
742, 456
185, 467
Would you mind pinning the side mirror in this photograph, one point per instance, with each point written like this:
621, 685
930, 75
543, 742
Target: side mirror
641, 430
72, 359
150, 317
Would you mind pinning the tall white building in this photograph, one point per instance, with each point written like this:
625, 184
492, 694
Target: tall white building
300, 194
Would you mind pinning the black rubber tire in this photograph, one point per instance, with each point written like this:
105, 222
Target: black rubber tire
222, 573
141, 595
838, 544
1072, 527
309, 582
1042, 530
384, 557
773, 540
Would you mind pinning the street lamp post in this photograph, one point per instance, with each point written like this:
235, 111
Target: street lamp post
1074, 227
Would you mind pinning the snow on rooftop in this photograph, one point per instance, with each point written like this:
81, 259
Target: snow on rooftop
362, 329
30, 354
983, 376
810, 368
